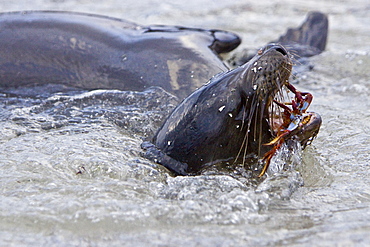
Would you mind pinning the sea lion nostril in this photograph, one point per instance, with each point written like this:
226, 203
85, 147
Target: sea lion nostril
276, 47
281, 50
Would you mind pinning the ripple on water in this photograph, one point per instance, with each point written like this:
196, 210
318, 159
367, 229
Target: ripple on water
87, 175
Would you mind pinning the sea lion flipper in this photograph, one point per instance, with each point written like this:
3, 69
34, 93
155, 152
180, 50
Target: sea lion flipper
154, 154
224, 41
310, 38
219, 41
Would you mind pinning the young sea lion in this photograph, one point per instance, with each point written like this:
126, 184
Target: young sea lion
226, 119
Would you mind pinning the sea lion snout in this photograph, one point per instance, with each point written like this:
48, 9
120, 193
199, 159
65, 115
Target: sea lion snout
277, 47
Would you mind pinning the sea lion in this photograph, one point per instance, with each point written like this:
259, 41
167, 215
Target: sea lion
228, 118
97, 52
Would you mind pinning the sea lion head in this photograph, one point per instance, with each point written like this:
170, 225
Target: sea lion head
263, 79
267, 71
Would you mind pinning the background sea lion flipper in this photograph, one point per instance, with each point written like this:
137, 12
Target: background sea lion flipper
310, 38
307, 40
219, 41
224, 41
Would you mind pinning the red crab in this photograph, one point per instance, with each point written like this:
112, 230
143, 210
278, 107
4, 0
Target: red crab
295, 121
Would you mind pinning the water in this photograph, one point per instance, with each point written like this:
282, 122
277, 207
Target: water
72, 175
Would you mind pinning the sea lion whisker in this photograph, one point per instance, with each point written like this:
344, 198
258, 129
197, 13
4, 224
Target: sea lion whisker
294, 76
246, 138
287, 68
278, 84
244, 143
294, 53
295, 62
241, 128
243, 116
260, 124
275, 113
255, 123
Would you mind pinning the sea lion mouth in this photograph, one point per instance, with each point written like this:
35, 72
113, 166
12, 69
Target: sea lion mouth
268, 72
275, 86
271, 69
264, 77
292, 122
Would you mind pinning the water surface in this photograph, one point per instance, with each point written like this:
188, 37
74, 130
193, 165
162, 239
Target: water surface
71, 173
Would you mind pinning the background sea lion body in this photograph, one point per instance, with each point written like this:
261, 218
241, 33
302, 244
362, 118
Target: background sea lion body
97, 52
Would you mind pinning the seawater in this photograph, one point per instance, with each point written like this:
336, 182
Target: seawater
71, 172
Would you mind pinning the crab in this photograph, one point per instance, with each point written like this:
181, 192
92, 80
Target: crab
294, 120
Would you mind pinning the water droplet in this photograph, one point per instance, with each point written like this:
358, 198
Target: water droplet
123, 57
221, 108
